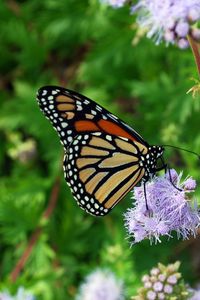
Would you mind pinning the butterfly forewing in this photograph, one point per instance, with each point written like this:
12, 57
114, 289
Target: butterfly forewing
101, 169
71, 114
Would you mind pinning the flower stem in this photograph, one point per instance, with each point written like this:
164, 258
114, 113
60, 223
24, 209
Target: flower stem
36, 234
195, 49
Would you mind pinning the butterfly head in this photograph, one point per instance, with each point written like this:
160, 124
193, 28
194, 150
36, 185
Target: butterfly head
151, 158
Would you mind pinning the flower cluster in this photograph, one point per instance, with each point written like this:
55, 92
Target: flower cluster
163, 283
101, 285
169, 209
21, 295
168, 20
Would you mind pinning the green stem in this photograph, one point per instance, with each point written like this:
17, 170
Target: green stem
195, 49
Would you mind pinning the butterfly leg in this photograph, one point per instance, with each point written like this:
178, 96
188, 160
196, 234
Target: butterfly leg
167, 169
148, 212
170, 178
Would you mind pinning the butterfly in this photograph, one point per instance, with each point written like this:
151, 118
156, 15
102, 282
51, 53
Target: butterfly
104, 157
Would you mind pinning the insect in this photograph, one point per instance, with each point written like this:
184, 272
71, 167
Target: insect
104, 157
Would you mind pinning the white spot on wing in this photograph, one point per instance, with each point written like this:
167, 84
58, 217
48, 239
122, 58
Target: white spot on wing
44, 92
93, 112
79, 107
64, 125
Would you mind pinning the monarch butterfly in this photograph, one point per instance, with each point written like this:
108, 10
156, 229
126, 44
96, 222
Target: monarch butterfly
104, 157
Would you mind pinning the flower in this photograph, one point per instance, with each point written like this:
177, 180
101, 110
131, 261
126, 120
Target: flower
172, 279
169, 209
196, 295
168, 289
101, 285
158, 286
22, 294
169, 20
164, 290
151, 295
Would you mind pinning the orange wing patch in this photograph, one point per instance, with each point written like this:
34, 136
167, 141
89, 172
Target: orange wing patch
67, 106
104, 126
114, 129
82, 126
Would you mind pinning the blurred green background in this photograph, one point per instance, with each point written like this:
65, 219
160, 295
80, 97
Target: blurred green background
87, 47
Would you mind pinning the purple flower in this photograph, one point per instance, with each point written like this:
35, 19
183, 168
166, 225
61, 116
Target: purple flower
172, 279
196, 295
182, 29
158, 286
183, 44
101, 285
190, 184
151, 295
162, 277
169, 20
168, 289
169, 209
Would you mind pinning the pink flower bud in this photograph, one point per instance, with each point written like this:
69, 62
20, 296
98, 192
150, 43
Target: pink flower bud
182, 29
151, 295
158, 286
183, 44
172, 279
168, 289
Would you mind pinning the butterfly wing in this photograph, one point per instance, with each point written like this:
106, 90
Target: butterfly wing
101, 169
102, 153
73, 114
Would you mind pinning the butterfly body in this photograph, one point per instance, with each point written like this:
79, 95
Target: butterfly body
104, 157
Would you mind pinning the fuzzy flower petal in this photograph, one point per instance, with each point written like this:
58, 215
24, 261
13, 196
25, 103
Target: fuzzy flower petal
169, 20
101, 285
169, 209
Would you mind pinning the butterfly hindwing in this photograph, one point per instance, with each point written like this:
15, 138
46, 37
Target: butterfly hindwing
72, 114
101, 169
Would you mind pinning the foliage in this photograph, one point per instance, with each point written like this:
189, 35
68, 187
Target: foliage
85, 46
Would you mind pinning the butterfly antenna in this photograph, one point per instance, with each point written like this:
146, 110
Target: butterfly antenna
186, 150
